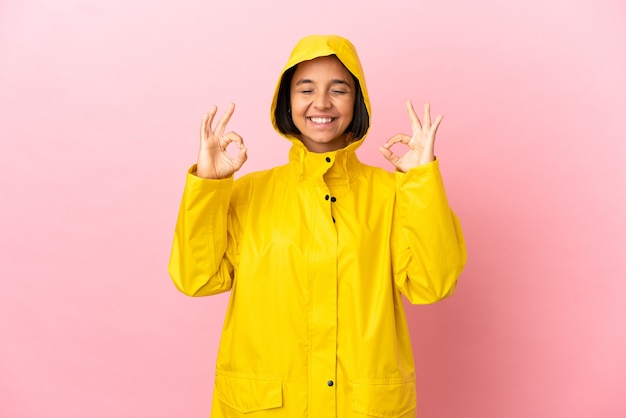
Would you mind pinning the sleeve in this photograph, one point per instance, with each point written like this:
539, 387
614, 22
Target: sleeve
204, 252
428, 249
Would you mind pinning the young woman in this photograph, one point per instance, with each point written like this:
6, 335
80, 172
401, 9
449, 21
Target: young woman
317, 253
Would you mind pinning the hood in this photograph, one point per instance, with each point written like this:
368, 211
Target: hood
315, 46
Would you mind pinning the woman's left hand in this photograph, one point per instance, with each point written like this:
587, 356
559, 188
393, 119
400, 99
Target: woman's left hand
421, 144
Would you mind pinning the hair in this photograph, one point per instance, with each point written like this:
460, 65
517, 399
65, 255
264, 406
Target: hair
360, 120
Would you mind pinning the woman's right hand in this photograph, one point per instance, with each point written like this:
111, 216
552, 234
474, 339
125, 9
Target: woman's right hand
213, 160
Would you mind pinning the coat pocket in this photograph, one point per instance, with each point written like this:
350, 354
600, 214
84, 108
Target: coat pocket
385, 400
249, 393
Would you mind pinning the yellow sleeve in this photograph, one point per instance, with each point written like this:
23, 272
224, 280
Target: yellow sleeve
428, 249
205, 249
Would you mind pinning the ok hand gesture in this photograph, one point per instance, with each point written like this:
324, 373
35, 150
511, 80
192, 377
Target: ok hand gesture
213, 160
421, 144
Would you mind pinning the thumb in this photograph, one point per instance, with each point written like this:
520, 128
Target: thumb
389, 155
242, 157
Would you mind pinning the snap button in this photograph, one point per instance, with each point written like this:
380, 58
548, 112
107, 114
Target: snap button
333, 199
327, 159
327, 197
330, 383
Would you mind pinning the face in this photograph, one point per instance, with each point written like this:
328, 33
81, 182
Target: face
322, 103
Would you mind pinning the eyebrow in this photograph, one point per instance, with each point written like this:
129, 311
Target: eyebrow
335, 81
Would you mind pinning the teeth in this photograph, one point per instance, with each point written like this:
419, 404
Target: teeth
321, 120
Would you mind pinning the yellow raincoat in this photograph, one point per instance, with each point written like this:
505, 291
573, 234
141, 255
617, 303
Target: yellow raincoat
316, 254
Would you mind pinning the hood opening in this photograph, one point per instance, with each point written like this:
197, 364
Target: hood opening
309, 48
357, 128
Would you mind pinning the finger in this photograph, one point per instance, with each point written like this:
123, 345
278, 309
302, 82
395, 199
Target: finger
207, 121
416, 125
427, 115
232, 137
403, 138
221, 124
436, 125
205, 126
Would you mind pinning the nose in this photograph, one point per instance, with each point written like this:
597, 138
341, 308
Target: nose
322, 101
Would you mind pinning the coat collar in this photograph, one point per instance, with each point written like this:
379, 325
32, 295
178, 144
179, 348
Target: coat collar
335, 167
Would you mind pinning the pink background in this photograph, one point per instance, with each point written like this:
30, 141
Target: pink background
100, 108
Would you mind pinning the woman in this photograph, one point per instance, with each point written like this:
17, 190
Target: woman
317, 253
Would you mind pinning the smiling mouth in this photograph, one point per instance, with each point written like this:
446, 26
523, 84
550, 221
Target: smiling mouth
321, 120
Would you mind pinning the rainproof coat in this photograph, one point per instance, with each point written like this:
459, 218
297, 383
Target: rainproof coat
316, 255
